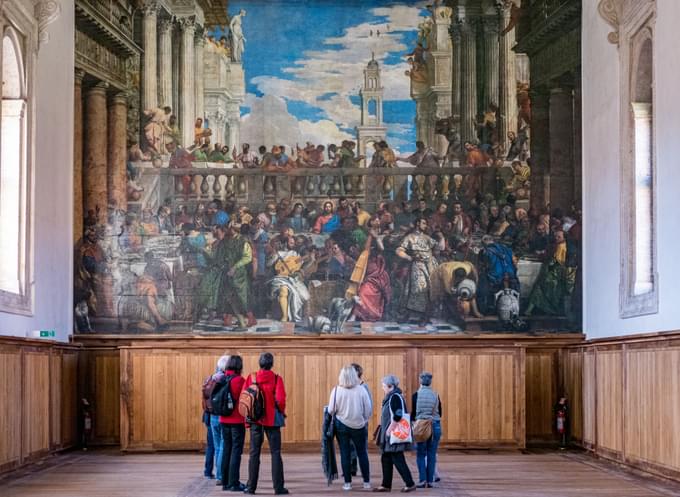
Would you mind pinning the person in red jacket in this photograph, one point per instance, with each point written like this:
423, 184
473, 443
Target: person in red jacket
233, 430
270, 424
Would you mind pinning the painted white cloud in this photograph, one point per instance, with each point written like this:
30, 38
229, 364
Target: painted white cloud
340, 70
269, 123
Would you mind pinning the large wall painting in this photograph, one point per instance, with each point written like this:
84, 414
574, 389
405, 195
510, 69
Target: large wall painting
349, 167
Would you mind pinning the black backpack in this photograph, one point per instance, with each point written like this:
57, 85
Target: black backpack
222, 400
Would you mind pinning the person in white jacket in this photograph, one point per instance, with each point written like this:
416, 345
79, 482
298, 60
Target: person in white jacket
351, 407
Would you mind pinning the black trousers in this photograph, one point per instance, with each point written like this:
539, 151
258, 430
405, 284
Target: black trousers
389, 460
233, 439
348, 438
257, 434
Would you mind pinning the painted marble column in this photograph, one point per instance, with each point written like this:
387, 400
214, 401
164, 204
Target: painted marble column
187, 73
95, 137
540, 148
455, 33
491, 61
165, 62
176, 63
149, 62
468, 84
508, 80
117, 151
561, 148
78, 154
199, 46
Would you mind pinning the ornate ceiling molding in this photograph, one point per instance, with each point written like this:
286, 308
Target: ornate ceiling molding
610, 11
46, 12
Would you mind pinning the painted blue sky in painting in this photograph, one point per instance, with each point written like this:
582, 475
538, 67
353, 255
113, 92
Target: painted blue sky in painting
304, 62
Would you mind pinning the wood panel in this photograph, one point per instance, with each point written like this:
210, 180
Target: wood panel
163, 409
652, 405
10, 416
36, 402
609, 385
37, 398
589, 398
482, 393
541, 393
631, 400
99, 383
571, 370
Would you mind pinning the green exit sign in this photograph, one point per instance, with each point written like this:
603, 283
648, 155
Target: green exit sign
47, 334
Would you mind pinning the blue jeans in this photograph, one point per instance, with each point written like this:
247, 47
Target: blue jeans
217, 442
210, 447
427, 454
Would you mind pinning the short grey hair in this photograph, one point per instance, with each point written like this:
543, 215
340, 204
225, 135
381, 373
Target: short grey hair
222, 363
391, 381
426, 378
348, 377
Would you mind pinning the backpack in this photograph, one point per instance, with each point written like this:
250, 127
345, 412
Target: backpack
222, 401
251, 402
207, 391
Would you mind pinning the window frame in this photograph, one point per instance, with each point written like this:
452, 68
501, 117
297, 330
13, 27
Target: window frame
17, 20
636, 28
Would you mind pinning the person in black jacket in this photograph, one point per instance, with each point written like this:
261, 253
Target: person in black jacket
392, 455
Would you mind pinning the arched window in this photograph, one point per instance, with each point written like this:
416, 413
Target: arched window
372, 109
639, 280
13, 175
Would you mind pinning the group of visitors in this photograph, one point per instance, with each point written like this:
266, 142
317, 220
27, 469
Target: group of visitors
348, 414
226, 433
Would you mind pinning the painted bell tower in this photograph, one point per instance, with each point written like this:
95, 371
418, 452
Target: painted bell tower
372, 128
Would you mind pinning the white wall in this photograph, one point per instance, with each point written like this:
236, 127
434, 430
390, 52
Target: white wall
53, 186
601, 176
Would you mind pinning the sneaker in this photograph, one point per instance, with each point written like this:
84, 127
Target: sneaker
367, 485
347, 486
406, 490
422, 484
218, 482
283, 491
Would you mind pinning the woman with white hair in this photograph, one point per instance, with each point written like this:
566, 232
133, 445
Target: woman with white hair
427, 406
392, 454
351, 408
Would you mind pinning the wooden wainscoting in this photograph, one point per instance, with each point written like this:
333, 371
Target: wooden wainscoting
630, 404
38, 399
488, 384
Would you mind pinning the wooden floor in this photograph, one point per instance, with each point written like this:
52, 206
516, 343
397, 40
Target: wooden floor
473, 474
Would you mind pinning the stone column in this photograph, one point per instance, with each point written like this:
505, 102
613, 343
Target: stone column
508, 81
187, 97
176, 63
491, 61
165, 62
199, 46
149, 63
561, 148
78, 154
117, 151
455, 32
540, 148
234, 122
468, 84
95, 138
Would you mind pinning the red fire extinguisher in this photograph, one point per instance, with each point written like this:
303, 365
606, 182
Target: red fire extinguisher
561, 421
